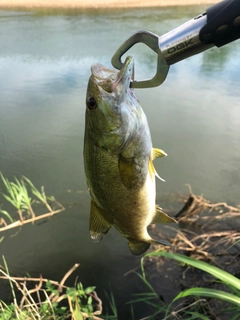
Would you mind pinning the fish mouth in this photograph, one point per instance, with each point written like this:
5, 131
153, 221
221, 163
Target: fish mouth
126, 75
110, 80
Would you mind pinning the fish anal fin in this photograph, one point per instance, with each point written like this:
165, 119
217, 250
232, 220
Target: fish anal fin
138, 248
161, 217
152, 171
158, 153
98, 226
128, 171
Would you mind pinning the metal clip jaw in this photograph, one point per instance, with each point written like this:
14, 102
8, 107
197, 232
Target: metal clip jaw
152, 41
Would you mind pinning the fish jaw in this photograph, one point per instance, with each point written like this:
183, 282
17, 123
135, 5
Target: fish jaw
113, 81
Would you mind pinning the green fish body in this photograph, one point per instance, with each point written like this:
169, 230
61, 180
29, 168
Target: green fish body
118, 157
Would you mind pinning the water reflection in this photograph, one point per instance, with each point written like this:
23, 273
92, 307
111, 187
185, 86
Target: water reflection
44, 68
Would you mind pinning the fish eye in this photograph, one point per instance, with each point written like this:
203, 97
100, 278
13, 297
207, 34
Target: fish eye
91, 103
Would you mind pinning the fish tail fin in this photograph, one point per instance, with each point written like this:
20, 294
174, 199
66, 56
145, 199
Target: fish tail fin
138, 248
162, 242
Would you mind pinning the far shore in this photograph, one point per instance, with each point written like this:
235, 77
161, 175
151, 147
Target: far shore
100, 3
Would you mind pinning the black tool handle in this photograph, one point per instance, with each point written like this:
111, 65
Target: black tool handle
223, 23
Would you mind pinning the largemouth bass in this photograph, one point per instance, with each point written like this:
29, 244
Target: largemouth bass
118, 157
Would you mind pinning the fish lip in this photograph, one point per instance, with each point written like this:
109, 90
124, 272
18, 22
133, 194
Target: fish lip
126, 74
114, 78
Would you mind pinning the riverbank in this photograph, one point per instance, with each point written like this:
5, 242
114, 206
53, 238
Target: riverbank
99, 3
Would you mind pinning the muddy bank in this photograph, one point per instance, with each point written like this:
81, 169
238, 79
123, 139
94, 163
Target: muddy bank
207, 232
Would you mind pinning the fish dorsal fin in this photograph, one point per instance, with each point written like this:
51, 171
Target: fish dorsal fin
128, 171
138, 248
99, 226
161, 217
158, 153
152, 170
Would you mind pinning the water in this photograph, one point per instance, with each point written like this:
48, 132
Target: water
194, 116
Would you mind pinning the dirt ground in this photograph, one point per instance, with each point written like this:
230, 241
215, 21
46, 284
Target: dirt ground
99, 3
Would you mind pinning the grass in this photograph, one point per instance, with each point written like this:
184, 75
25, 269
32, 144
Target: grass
212, 293
49, 300
193, 308
85, 304
230, 281
23, 196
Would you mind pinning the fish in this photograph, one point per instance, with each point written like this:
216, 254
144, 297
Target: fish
118, 160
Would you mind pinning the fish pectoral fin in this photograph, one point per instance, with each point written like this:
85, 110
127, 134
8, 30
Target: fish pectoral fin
152, 170
138, 248
158, 153
99, 226
161, 217
128, 171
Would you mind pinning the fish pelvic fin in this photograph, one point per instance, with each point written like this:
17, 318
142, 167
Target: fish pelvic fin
98, 226
161, 217
138, 248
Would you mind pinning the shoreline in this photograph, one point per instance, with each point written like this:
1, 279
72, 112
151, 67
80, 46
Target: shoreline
95, 4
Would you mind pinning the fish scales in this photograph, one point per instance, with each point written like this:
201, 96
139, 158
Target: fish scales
118, 157
117, 197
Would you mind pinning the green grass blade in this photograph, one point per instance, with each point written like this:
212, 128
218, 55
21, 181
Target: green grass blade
28, 181
5, 182
196, 315
35, 190
224, 276
26, 196
112, 303
10, 200
212, 293
15, 189
6, 214
143, 278
10, 282
18, 183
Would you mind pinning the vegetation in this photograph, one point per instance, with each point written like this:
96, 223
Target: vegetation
204, 274
152, 298
207, 250
47, 302
45, 299
23, 196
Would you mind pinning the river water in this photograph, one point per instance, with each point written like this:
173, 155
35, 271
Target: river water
45, 60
